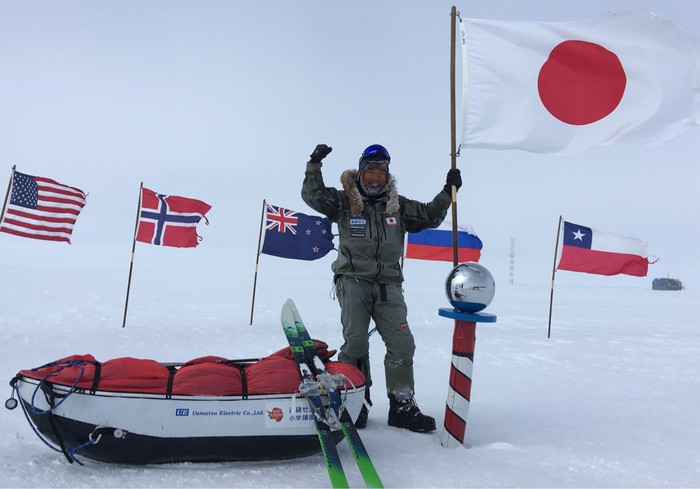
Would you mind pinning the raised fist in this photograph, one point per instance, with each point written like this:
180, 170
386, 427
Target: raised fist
319, 153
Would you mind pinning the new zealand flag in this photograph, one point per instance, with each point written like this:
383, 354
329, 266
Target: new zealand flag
290, 234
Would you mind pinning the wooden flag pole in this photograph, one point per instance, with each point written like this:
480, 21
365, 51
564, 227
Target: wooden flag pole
551, 292
133, 250
464, 336
257, 260
7, 194
453, 130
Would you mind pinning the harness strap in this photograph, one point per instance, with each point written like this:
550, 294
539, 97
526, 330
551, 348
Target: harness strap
244, 380
50, 396
169, 388
96, 378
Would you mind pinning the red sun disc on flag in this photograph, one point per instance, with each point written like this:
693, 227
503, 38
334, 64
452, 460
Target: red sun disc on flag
581, 82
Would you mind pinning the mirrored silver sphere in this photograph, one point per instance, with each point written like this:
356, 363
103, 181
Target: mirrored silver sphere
470, 287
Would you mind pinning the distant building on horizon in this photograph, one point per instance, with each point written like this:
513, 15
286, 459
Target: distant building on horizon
667, 284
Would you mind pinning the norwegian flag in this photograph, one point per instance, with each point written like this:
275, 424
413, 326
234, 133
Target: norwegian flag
290, 234
169, 220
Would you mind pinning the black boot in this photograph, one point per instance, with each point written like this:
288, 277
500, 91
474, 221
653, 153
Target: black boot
361, 421
404, 413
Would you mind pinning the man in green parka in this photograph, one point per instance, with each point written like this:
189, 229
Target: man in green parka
373, 220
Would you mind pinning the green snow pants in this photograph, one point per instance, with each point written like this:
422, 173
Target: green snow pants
361, 300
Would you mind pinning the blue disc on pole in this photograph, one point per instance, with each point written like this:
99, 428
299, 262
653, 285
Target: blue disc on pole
474, 317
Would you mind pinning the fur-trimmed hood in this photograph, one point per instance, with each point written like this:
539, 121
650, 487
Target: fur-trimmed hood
349, 181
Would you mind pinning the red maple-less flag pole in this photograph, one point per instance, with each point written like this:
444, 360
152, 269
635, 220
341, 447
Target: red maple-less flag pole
165, 220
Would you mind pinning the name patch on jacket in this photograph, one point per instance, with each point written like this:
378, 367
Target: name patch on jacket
358, 226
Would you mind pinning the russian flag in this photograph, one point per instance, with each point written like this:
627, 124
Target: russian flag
436, 244
598, 252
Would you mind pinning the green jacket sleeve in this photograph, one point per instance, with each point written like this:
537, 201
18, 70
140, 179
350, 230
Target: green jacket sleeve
326, 200
418, 216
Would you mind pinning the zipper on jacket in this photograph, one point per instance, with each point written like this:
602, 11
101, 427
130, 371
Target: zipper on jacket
349, 255
377, 255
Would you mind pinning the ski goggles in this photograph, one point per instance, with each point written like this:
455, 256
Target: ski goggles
374, 150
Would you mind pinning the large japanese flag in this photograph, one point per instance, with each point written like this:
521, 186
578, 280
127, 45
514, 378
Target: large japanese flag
564, 87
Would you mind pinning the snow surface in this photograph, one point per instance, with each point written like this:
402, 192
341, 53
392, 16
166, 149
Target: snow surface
610, 400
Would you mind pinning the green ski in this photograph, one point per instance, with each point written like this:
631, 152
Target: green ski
364, 463
310, 389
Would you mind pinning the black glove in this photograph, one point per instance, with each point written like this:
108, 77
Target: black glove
454, 177
319, 153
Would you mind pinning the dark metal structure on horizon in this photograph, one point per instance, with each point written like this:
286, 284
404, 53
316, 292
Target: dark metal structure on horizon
667, 284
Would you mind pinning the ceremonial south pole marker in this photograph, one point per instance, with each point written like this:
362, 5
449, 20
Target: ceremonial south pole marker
459, 393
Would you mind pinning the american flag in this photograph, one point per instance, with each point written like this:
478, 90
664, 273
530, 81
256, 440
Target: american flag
41, 208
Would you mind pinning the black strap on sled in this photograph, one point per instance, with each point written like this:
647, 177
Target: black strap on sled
244, 380
171, 378
47, 388
96, 379
50, 396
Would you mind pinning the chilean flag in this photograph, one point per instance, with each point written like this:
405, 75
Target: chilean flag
169, 220
436, 244
591, 251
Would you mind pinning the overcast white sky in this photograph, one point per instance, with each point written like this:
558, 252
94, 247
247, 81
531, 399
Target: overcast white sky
224, 101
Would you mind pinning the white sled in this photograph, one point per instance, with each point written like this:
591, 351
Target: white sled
84, 408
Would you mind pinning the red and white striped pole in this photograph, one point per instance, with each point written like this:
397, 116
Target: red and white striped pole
460, 386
